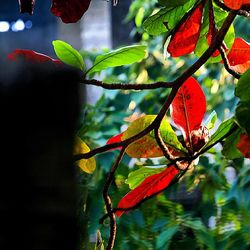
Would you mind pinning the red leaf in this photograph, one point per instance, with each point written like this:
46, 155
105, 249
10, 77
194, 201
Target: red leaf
185, 39
27, 6
31, 56
236, 4
244, 145
239, 55
188, 108
114, 139
150, 186
70, 11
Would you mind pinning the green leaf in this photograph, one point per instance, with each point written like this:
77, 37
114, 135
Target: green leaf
223, 129
166, 18
242, 116
230, 150
202, 44
163, 239
87, 165
172, 3
147, 147
67, 54
243, 89
119, 57
136, 177
209, 123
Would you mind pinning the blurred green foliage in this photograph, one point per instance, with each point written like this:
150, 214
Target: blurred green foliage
210, 207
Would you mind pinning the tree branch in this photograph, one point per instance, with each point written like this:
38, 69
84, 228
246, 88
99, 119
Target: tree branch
227, 64
108, 203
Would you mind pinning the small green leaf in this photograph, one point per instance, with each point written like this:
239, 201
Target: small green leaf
223, 129
243, 89
163, 239
147, 147
242, 116
172, 3
87, 165
209, 123
166, 18
67, 54
230, 150
119, 57
136, 177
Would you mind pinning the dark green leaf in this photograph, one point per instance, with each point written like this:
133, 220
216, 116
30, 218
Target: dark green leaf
229, 147
67, 54
166, 19
243, 87
119, 57
172, 3
164, 237
242, 116
136, 177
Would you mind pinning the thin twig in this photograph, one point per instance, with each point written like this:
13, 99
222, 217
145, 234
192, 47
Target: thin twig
227, 64
108, 202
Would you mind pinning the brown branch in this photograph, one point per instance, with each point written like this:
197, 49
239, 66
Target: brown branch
176, 85
242, 12
108, 203
126, 86
227, 64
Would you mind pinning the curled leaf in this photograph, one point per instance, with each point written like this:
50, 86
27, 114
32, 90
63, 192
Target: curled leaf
150, 186
244, 145
70, 11
31, 56
188, 108
239, 55
87, 165
186, 37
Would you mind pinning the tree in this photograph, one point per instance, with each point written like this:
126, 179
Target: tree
203, 27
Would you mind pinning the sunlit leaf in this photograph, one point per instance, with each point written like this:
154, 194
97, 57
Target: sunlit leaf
150, 186
185, 39
136, 177
222, 130
166, 19
147, 146
67, 54
210, 121
239, 55
188, 107
244, 145
119, 57
87, 165
70, 11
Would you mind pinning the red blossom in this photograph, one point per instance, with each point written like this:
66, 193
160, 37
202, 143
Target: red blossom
236, 4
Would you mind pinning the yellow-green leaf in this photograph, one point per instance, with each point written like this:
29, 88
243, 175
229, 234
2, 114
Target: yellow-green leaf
147, 147
87, 165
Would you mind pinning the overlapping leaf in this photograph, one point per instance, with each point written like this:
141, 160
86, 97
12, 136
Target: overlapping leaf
239, 55
119, 57
244, 145
70, 11
150, 186
166, 18
87, 165
186, 37
147, 146
188, 107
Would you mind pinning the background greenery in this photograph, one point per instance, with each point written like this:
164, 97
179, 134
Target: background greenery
205, 210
